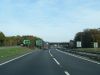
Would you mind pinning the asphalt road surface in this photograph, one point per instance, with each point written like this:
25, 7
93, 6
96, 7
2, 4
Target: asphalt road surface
50, 62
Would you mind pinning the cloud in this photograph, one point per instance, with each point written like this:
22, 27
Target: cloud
53, 20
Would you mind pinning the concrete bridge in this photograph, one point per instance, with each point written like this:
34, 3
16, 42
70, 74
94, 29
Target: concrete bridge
59, 44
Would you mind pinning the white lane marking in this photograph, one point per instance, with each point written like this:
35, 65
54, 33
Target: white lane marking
14, 59
56, 61
66, 73
50, 54
54, 58
84, 58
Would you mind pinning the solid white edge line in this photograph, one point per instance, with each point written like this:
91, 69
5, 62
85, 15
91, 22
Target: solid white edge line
14, 59
84, 58
66, 73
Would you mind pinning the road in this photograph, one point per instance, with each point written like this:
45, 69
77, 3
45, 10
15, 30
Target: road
50, 62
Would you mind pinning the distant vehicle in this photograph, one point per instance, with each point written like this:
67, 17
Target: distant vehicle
46, 46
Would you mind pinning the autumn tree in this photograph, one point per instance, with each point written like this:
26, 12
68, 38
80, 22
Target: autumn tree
2, 38
88, 37
16, 40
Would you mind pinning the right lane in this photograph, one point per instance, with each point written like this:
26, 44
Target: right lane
76, 66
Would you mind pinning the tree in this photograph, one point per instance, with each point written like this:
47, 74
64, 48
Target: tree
16, 40
78, 37
2, 39
88, 37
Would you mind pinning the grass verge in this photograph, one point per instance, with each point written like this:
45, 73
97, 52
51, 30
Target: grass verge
7, 53
89, 50
94, 53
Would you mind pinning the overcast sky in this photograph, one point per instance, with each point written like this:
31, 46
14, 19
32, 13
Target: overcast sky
51, 20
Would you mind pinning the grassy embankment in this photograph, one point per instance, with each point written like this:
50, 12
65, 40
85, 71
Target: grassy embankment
89, 50
7, 53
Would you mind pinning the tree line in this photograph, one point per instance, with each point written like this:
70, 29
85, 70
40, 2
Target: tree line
88, 37
16, 40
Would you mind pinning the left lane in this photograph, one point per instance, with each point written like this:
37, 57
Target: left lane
37, 63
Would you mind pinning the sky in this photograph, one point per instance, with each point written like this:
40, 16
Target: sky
51, 20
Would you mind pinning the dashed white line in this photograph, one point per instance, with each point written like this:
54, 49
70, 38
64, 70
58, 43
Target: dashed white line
66, 73
14, 59
50, 54
54, 58
84, 58
56, 61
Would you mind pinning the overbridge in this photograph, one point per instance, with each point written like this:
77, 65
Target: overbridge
59, 44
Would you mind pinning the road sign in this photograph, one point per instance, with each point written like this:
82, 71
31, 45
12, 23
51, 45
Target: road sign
26, 42
39, 42
79, 44
95, 44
